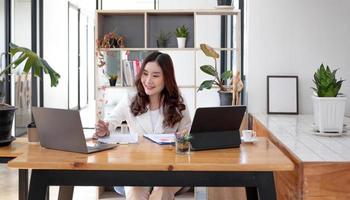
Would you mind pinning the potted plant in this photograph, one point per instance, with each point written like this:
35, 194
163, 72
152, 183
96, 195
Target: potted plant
30, 61
181, 35
328, 103
112, 79
225, 92
110, 60
182, 143
162, 39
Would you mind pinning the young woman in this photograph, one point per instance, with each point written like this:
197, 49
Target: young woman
157, 107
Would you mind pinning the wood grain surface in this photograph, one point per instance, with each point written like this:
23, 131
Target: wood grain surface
259, 156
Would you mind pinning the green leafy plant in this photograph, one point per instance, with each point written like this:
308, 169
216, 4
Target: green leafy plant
31, 61
182, 31
112, 76
326, 82
213, 71
183, 138
162, 38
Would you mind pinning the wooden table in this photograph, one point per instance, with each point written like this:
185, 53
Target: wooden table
147, 163
322, 164
21, 146
7, 153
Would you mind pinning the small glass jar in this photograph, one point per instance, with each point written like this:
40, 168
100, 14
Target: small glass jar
182, 146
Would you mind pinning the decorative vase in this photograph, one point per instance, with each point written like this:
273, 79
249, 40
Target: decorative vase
181, 42
225, 98
329, 113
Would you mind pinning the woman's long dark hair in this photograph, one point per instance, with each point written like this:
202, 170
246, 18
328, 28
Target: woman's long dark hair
172, 102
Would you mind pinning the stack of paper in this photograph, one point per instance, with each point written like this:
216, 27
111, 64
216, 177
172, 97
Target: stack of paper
166, 138
119, 138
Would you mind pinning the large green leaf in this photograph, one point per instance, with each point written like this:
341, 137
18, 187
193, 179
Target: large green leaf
208, 69
208, 84
209, 51
32, 61
226, 75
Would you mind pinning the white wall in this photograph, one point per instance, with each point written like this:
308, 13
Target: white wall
56, 46
294, 38
55, 51
187, 4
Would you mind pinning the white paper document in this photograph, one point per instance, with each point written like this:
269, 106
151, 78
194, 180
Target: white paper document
119, 138
163, 138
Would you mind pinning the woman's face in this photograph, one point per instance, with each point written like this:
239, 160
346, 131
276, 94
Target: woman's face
152, 79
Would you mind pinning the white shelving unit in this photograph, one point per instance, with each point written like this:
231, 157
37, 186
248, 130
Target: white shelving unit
140, 27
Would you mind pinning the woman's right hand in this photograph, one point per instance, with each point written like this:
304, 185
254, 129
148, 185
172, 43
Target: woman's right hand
102, 128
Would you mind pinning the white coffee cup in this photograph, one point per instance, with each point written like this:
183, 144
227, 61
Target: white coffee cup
248, 135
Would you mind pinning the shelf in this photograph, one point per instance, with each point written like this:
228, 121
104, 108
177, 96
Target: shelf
216, 11
164, 49
141, 27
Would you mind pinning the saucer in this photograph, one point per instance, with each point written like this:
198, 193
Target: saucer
6, 142
249, 141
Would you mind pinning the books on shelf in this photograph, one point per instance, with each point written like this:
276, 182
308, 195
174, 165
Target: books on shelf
130, 70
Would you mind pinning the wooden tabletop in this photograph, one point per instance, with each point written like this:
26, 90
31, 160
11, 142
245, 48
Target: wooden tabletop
262, 155
16, 148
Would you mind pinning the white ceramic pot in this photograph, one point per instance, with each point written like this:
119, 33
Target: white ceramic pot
181, 42
329, 113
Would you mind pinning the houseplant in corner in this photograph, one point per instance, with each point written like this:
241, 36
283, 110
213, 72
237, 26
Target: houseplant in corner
30, 61
328, 103
181, 35
225, 92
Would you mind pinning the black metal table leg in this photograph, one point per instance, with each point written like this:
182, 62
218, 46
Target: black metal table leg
66, 193
22, 184
252, 193
266, 186
38, 186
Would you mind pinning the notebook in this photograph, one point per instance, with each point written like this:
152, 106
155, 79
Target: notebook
62, 130
216, 127
162, 138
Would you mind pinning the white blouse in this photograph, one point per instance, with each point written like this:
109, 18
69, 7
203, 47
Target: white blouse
144, 124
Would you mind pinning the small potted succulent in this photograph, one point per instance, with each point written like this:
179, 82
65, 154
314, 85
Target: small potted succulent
328, 103
162, 39
225, 91
182, 142
112, 79
181, 35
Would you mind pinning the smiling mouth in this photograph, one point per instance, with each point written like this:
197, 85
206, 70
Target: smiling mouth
148, 87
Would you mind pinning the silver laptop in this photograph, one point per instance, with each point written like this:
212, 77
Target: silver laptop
62, 130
